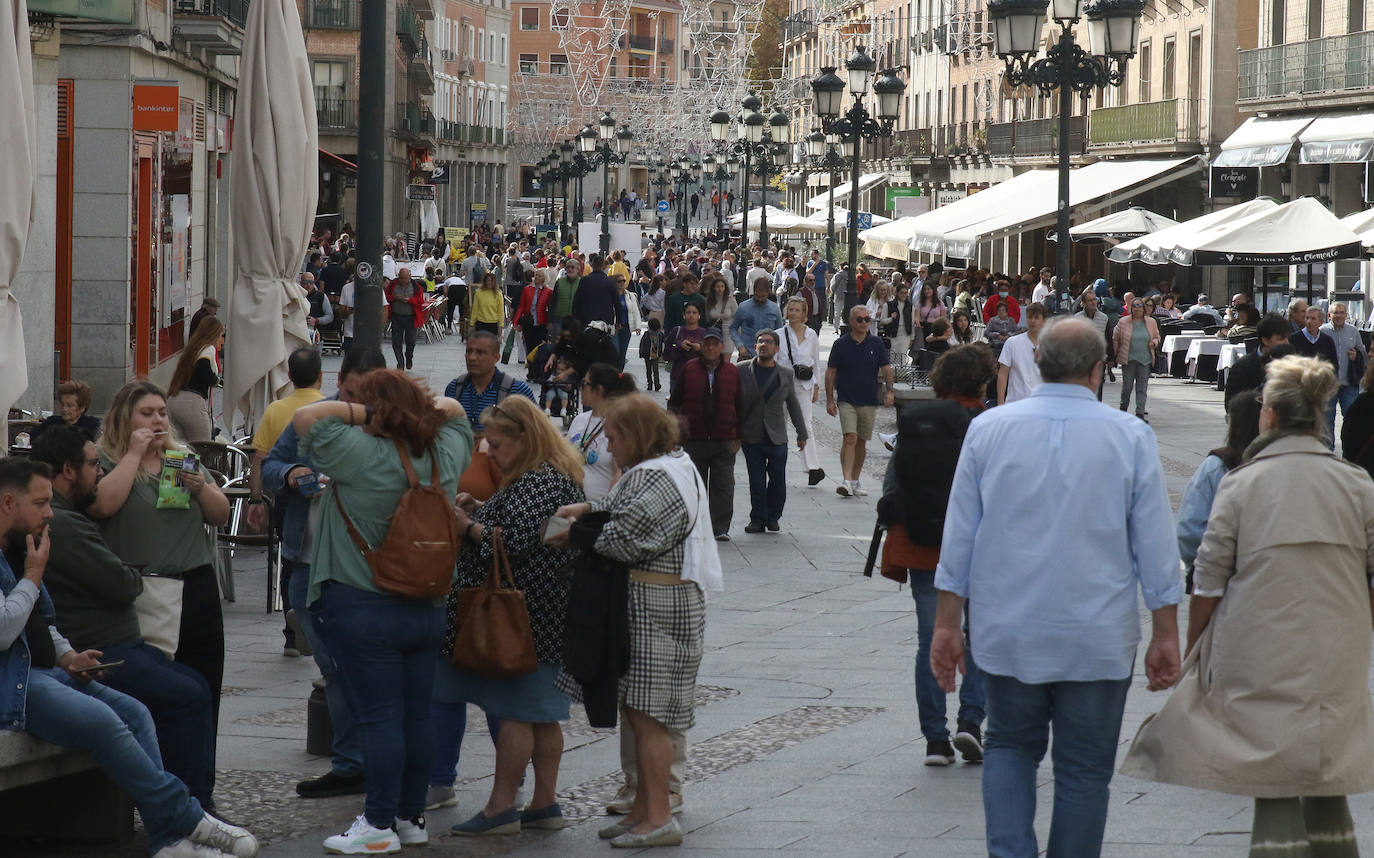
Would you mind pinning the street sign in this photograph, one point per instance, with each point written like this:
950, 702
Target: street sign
479, 212
1234, 182
949, 195
865, 220
662, 206
417, 193
544, 229
439, 175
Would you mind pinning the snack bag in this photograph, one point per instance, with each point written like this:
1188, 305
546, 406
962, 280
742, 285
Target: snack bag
171, 494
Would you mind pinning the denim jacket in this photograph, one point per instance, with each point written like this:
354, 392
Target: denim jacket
1196, 508
14, 660
294, 508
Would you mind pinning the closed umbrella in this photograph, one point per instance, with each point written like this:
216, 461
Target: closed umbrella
17, 190
276, 154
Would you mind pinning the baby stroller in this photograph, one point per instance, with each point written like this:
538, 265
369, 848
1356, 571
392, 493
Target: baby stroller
562, 397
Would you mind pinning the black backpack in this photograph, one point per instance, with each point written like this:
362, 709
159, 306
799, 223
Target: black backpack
929, 436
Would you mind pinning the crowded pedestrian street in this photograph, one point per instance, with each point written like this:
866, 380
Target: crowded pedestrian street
807, 740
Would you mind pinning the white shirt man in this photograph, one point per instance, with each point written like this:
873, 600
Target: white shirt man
1017, 372
346, 310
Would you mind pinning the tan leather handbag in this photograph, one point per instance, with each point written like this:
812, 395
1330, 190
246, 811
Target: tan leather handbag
493, 636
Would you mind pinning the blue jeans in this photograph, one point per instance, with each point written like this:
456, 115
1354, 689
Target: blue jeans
1086, 717
118, 732
386, 647
178, 700
450, 719
1345, 396
348, 744
622, 340
930, 697
767, 465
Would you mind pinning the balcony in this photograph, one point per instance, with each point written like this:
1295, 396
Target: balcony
1172, 125
482, 134
1335, 70
215, 26
1034, 139
413, 122
421, 69
408, 28
336, 114
914, 143
332, 14
797, 26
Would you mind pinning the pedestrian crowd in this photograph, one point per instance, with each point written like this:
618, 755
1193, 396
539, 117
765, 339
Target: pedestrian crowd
539, 538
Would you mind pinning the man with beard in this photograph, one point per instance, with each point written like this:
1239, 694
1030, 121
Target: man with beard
93, 592
48, 685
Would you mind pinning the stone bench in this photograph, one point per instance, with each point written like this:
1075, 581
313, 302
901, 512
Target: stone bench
40, 783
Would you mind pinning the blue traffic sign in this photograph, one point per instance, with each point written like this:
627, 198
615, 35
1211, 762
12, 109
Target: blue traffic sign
662, 206
865, 220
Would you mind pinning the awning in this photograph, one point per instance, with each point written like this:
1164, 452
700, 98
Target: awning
1261, 141
1154, 249
1118, 226
866, 181
889, 241
342, 162
1343, 138
927, 232
1095, 186
1300, 232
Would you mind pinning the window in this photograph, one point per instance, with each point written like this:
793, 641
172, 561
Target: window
1314, 19
481, 45
491, 48
529, 63
558, 64
558, 19
331, 78
1144, 66
611, 71
1194, 65
1279, 15
1355, 16
1170, 67
529, 17
505, 56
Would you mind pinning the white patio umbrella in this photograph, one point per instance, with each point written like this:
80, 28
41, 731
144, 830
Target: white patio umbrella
1153, 249
818, 219
1362, 224
754, 214
275, 187
17, 191
1118, 226
1300, 232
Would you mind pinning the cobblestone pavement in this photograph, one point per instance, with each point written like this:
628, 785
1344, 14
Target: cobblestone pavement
807, 739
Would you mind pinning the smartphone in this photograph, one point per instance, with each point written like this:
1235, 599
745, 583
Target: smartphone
308, 485
556, 526
96, 668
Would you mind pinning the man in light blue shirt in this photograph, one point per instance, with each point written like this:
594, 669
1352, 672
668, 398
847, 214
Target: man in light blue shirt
760, 314
1053, 605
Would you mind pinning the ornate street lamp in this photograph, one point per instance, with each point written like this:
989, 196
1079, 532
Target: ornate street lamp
605, 147
1114, 32
855, 125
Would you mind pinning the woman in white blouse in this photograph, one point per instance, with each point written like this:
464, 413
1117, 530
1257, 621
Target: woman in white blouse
800, 347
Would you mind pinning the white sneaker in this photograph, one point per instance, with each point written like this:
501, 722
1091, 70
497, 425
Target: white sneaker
362, 839
889, 439
230, 839
186, 849
845, 489
412, 832
857, 490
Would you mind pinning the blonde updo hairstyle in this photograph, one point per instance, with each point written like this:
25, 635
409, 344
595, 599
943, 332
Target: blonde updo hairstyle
1297, 390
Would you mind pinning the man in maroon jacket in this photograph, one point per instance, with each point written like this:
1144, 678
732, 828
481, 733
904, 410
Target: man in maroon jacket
707, 403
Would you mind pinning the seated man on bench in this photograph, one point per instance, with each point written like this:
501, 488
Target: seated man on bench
47, 687
93, 592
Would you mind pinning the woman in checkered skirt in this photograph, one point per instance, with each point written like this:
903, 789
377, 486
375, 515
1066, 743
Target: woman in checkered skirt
660, 526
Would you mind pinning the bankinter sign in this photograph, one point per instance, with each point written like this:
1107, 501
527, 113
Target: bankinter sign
155, 106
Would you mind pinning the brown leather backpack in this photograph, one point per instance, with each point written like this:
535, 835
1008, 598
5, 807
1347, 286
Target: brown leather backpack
417, 556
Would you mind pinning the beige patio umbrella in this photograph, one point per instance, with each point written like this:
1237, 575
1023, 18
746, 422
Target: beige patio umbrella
275, 163
17, 190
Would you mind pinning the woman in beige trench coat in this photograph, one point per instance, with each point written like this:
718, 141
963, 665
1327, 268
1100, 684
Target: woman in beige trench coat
1274, 698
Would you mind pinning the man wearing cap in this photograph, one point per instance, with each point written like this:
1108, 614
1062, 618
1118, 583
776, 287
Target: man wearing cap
1203, 311
706, 401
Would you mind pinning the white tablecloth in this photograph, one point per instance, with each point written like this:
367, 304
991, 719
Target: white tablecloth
1179, 342
1229, 355
1204, 346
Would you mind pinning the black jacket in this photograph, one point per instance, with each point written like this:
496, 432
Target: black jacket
1324, 347
1248, 372
1357, 432
597, 652
595, 299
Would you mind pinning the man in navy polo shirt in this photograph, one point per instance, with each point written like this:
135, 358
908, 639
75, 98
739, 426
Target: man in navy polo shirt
852, 374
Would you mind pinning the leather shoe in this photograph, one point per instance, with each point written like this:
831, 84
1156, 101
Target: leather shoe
814, 476
331, 784
753, 527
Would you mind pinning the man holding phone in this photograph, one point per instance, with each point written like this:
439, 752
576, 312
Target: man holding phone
93, 592
47, 692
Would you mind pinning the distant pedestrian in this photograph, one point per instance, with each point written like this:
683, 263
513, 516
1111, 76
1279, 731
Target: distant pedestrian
1053, 611
851, 392
706, 397
767, 398
1018, 373
1134, 343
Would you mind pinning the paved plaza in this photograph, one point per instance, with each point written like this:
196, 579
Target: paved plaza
807, 741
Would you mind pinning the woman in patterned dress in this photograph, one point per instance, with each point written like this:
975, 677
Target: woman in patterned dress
541, 472
659, 524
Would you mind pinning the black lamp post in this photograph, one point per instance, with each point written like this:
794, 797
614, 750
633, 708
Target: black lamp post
604, 146
830, 153
854, 126
660, 180
566, 170
763, 143
1113, 33
720, 171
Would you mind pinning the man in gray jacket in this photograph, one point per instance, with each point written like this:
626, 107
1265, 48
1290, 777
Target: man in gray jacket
765, 392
